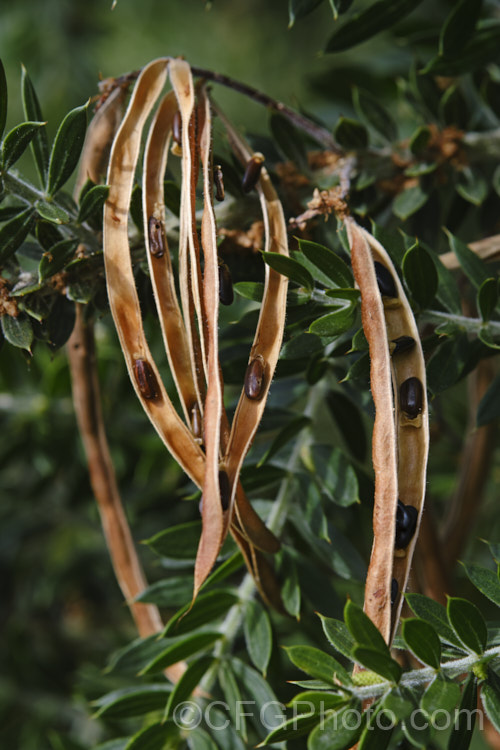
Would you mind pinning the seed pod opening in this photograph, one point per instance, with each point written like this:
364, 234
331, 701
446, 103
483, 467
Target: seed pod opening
385, 282
252, 172
394, 591
156, 237
225, 489
146, 379
226, 294
197, 423
401, 344
411, 397
406, 522
219, 182
254, 378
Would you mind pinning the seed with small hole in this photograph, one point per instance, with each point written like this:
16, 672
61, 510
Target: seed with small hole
226, 294
252, 172
254, 378
385, 282
401, 344
219, 182
394, 591
146, 379
406, 522
411, 397
177, 128
156, 237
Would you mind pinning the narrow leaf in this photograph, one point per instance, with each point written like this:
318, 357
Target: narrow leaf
487, 298
178, 542
155, 737
293, 728
198, 739
409, 201
187, 683
52, 213
338, 731
232, 697
468, 623
12, 233
378, 662
337, 633
463, 726
134, 656
289, 267
350, 133
348, 419
459, 27
17, 140
66, 148
420, 275
179, 650
490, 699
335, 271
362, 628
423, 641
18, 331
300, 8
369, 108
441, 695
317, 663
433, 613
285, 436
92, 202
133, 701
33, 112
484, 579
56, 258
206, 608
334, 323
258, 635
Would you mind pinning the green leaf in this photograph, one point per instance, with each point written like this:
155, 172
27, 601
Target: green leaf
361, 26
441, 695
225, 569
134, 656
489, 336
490, 698
92, 202
303, 346
206, 608
181, 649
334, 475
300, 8
399, 703
350, 133
362, 628
16, 142
198, 739
232, 697
338, 635
420, 275
265, 704
423, 641
334, 271
178, 542
409, 201
52, 213
318, 664
472, 187
339, 731
447, 293
288, 139
293, 728
485, 580
284, 436
433, 613
170, 592
187, 683
378, 662
316, 702
18, 331
290, 587
155, 737
66, 148
369, 108
487, 298
33, 112
3, 99
258, 635
463, 726
468, 623
478, 52
459, 27
340, 6
335, 323
56, 258
13, 233
445, 366
132, 701
253, 290
348, 419
489, 406
378, 731
290, 268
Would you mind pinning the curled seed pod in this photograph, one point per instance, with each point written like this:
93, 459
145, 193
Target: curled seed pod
411, 397
197, 423
254, 378
385, 282
226, 294
219, 182
394, 591
401, 344
225, 489
252, 172
406, 521
177, 128
156, 237
146, 379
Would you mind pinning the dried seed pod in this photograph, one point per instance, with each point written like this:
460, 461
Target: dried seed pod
177, 128
401, 344
394, 591
156, 237
197, 423
252, 172
254, 378
385, 282
146, 379
406, 521
411, 397
226, 294
225, 489
219, 182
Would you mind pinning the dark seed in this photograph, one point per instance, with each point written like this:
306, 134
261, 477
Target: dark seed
219, 182
226, 294
401, 344
252, 172
394, 591
146, 379
254, 378
411, 397
406, 521
225, 489
177, 128
385, 282
156, 237
196, 422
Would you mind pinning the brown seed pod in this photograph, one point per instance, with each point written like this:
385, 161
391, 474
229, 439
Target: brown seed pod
401, 344
226, 294
146, 379
219, 182
225, 489
197, 423
411, 397
177, 128
254, 378
156, 238
252, 172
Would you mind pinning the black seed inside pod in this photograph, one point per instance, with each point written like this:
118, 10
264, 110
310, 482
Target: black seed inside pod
402, 344
252, 172
156, 237
394, 591
411, 397
225, 489
406, 521
146, 379
219, 182
385, 282
226, 294
177, 128
254, 379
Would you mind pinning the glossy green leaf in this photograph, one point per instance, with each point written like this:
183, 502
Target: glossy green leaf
435, 614
487, 298
181, 648
377, 17
463, 726
489, 406
410, 201
66, 148
490, 698
317, 663
55, 259
379, 662
198, 739
135, 655
290, 268
334, 323
13, 233
293, 728
303, 346
290, 587
420, 275
399, 703
288, 433
423, 641
350, 133
232, 697
18, 331
223, 732
255, 688
132, 701
441, 695
369, 108
316, 702
33, 112
3, 99
169, 592
52, 213
187, 683
300, 8
485, 580
338, 635
288, 139
362, 628
459, 27
334, 271
468, 623
178, 542
206, 608
17, 141
253, 290
155, 737
225, 569
258, 635
348, 419
92, 202
339, 731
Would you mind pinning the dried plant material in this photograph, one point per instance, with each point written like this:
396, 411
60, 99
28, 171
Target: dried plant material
323, 203
238, 240
401, 432
8, 304
488, 249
